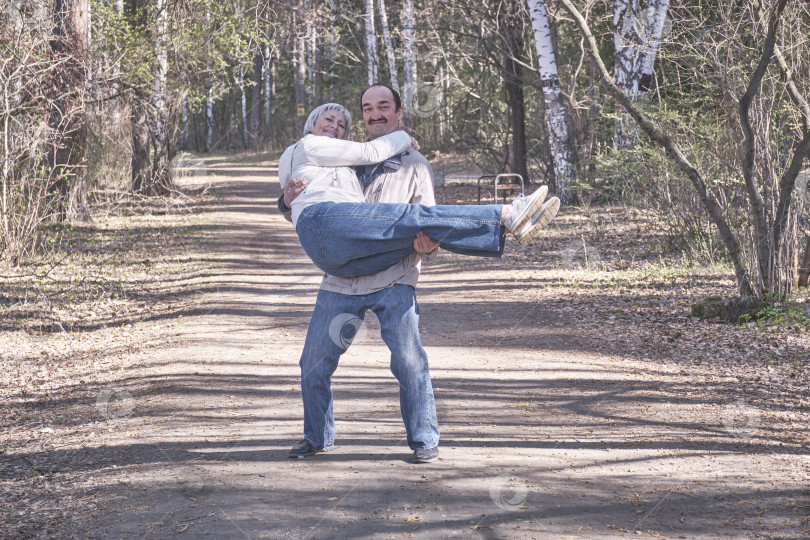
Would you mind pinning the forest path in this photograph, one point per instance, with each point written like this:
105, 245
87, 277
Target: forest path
552, 425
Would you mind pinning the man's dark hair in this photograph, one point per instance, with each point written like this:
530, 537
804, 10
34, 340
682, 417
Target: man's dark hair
397, 99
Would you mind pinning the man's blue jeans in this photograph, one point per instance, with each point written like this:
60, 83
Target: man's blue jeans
334, 323
354, 239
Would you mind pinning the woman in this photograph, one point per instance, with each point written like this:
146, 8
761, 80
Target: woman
345, 236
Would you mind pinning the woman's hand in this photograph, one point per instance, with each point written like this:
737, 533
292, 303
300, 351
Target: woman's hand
293, 189
414, 144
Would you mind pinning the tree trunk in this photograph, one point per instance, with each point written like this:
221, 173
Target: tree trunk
209, 118
149, 116
656, 16
255, 103
635, 46
243, 120
804, 268
410, 96
317, 63
513, 86
268, 102
626, 46
209, 102
300, 67
141, 163
159, 117
182, 139
67, 118
310, 56
332, 49
556, 123
389, 47
371, 43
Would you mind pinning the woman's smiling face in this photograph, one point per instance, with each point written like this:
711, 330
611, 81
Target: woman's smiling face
330, 124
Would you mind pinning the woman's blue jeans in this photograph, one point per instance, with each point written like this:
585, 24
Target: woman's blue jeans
354, 239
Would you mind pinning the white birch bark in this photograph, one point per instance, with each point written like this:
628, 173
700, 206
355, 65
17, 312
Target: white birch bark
371, 43
115, 86
310, 43
409, 56
159, 116
88, 58
656, 16
626, 45
184, 115
209, 99
240, 81
389, 46
627, 69
636, 39
556, 125
332, 48
209, 118
299, 65
267, 82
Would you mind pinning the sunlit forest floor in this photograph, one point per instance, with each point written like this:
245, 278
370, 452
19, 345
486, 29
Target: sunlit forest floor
149, 383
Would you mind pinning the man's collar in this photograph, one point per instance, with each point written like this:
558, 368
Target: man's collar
394, 162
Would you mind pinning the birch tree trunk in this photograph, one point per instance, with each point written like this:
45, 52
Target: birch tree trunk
556, 123
409, 59
299, 65
310, 57
389, 46
656, 16
243, 122
209, 100
371, 43
626, 46
332, 48
626, 66
318, 53
267, 83
159, 118
635, 46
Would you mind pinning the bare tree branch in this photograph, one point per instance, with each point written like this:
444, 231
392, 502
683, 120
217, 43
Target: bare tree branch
674, 151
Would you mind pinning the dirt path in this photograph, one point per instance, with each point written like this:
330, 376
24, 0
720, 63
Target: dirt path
557, 420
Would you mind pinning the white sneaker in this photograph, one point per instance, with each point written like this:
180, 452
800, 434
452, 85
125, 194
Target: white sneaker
523, 208
539, 220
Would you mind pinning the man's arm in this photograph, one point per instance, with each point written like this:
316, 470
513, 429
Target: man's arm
423, 194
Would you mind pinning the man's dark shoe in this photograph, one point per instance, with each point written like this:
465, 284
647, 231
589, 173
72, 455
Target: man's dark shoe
305, 449
426, 455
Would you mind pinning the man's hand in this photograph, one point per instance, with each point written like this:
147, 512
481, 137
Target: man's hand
293, 189
414, 144
423, 244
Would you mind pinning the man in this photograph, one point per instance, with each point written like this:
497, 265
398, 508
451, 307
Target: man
390, 294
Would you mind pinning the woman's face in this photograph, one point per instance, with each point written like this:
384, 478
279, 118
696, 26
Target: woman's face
330, 124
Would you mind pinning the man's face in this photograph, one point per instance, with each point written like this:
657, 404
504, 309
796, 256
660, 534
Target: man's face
379, 112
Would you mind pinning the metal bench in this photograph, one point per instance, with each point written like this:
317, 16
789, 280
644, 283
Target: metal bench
503, 184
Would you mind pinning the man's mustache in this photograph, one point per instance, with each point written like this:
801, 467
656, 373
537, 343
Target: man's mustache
378, 121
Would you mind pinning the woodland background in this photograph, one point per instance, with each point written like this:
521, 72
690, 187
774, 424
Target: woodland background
696, 110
